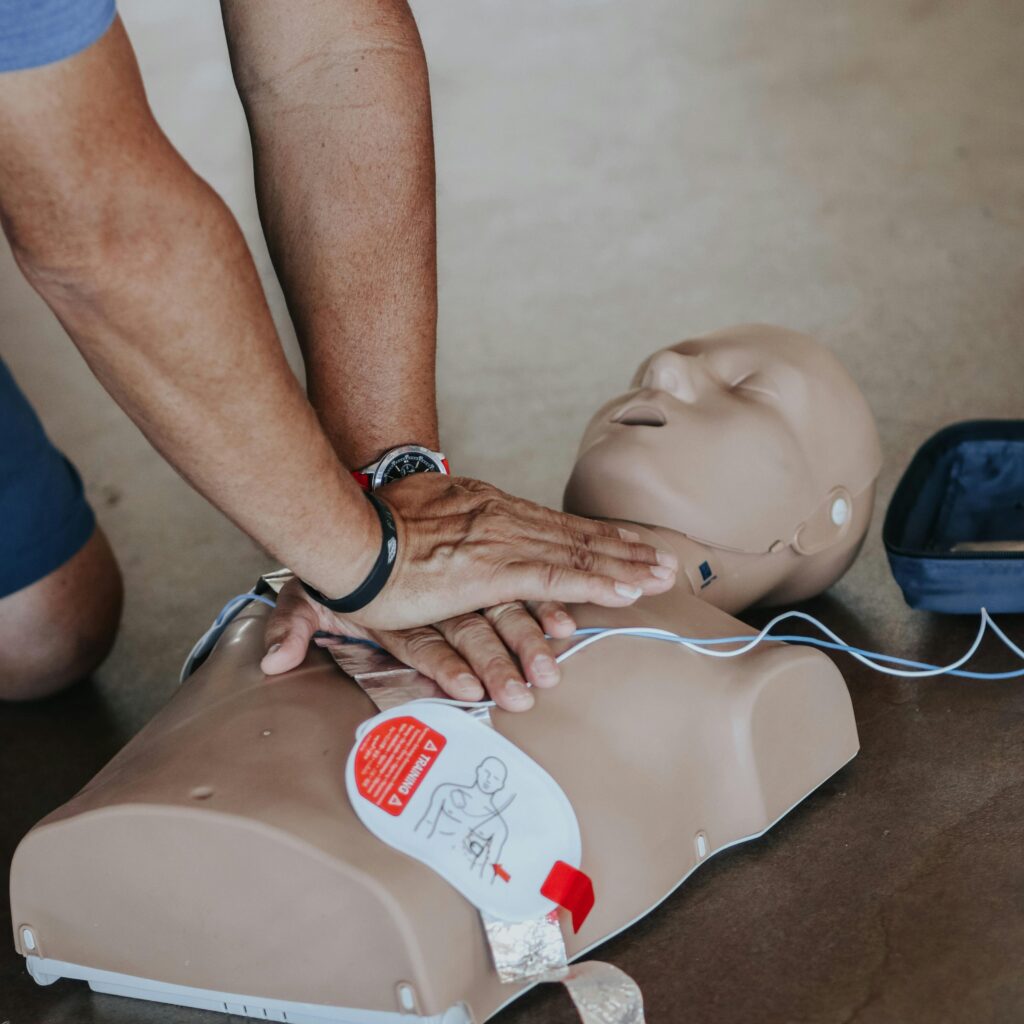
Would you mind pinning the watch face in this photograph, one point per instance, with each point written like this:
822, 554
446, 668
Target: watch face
405, 464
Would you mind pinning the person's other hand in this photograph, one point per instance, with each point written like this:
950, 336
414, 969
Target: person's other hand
464, 545
495, 652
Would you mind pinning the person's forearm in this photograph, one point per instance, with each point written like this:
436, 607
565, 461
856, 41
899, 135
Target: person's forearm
149, 273
338, 105
175, 326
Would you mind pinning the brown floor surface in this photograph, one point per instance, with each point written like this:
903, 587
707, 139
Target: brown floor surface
610, 178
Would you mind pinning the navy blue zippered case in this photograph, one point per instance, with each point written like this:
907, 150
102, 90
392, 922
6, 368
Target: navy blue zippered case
954, 532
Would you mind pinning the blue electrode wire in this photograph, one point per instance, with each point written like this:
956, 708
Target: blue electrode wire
700, 645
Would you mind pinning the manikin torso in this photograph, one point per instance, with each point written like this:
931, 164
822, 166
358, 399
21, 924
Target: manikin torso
221, 850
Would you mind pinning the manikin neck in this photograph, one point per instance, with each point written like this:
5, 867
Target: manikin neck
730, 580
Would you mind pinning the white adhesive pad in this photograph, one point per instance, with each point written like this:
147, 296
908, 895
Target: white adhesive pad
435, 783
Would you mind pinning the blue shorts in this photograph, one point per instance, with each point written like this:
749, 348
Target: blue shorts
34, 32
44, 517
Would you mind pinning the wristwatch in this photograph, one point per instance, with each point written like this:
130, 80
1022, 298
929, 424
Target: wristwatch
395, 463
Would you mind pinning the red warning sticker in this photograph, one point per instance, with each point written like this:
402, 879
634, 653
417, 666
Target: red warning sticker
392, 761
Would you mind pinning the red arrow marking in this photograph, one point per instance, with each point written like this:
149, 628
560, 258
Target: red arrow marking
501, 873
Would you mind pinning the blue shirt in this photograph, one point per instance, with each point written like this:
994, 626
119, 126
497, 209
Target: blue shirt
34, 32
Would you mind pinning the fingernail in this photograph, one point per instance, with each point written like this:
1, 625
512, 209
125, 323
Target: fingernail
273, 648
467, 687
625, 590
667, 558
628, 534
562, 617
546, 670
517, 695
662, 572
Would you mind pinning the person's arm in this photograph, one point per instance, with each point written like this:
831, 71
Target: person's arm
338, 104
150, 275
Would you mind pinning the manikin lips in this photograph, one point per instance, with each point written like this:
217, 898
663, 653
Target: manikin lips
640, 416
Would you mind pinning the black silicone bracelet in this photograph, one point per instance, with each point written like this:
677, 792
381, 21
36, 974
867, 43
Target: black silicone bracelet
379, 574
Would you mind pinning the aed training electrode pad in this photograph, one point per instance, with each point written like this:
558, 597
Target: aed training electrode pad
450, 791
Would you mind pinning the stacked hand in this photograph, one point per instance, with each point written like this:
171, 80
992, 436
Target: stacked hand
464, 545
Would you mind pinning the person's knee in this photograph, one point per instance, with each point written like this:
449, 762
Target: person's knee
59, 629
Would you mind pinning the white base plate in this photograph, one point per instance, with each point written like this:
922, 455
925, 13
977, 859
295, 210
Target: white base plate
45, 972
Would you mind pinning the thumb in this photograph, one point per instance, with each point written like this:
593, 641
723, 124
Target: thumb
288, 634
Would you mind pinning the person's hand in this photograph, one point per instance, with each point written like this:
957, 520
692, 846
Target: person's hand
464, 545
495, 652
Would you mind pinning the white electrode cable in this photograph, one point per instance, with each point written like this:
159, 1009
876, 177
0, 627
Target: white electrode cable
1002, 636
700, 645
704, 646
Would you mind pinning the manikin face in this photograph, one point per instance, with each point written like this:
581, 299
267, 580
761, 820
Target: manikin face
490, 775
734, 439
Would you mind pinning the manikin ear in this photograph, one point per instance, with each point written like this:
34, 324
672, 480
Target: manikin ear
827, 525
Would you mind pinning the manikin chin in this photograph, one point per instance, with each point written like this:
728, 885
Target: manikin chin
217, 860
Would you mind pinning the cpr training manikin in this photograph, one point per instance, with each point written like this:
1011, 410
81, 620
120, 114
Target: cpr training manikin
349, 847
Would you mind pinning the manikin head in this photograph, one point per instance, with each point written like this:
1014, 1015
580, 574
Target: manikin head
751, 439
491, 775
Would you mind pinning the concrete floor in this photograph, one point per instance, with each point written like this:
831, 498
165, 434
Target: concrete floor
612, 177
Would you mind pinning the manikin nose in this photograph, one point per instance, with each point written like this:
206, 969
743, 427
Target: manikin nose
684, 377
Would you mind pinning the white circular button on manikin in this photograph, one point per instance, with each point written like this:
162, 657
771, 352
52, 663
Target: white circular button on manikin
28, 938
840, 511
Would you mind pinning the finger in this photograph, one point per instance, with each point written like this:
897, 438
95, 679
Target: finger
543, 581
616, 547
491, 661
568, 521
651, 579
427, 651
521, 633
508, 505
554, 618
623, 544
628, 551
289, 631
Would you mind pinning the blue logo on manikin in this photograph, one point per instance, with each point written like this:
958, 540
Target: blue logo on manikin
707, 574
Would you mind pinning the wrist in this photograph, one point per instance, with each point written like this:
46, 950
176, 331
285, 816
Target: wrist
346, 560
352, 601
